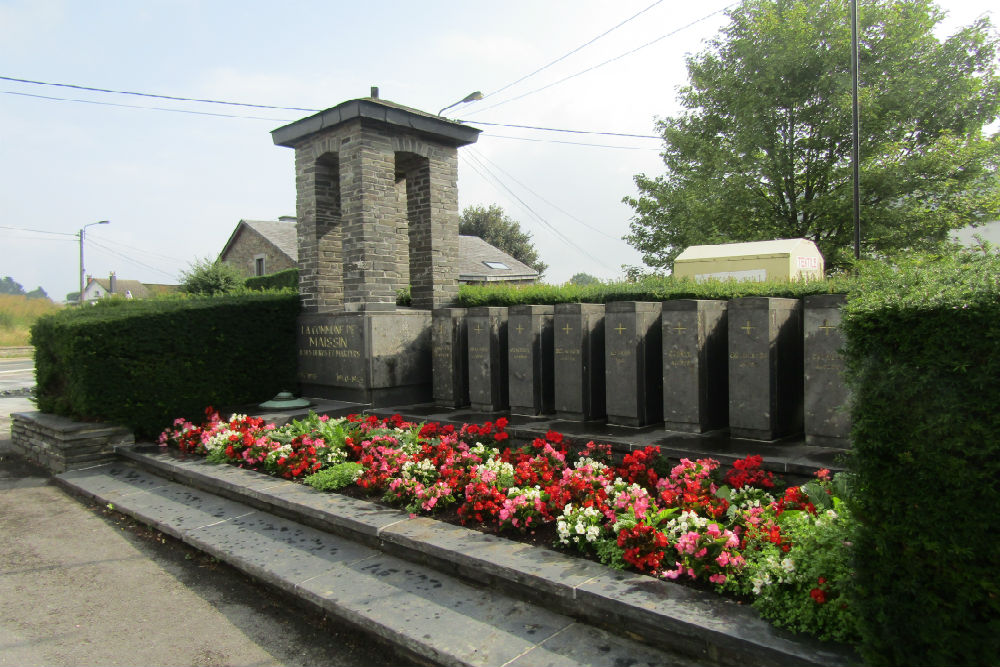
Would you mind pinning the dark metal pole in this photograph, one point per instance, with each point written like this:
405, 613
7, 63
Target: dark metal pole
855, 147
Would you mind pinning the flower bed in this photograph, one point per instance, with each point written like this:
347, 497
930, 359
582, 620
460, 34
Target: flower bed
787, 551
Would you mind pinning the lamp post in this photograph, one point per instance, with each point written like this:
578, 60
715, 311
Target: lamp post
855, 138
471, 97
79, 299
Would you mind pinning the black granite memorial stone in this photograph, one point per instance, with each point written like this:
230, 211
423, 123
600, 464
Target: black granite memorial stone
695, 365
827, 418
765, 367
530, 360
450, 356
633, 357
487, 331
578, 361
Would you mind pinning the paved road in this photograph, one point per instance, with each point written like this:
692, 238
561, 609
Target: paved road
16, 374
81, 585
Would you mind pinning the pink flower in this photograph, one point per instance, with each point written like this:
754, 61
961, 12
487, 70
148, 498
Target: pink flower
717, 578
713, 530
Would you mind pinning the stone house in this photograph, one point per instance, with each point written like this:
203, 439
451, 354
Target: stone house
101, 288
258, 247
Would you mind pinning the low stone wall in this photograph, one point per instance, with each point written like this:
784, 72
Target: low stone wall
60, 444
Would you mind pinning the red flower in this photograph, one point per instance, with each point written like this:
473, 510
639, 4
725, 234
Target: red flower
818, 595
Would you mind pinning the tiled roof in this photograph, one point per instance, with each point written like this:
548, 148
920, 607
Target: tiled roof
473, 253
138, 289
282, 233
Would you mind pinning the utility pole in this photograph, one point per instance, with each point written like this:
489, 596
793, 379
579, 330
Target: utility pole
79, 299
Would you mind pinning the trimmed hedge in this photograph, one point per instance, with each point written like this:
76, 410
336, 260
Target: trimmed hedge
144, 363
923, 355
287, 279
647, 289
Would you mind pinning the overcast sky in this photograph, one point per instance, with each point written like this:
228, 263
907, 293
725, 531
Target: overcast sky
174, 185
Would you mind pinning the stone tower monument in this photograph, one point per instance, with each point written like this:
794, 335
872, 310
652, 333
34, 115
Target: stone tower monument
377, 207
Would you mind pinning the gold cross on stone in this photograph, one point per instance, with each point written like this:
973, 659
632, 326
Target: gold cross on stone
566, 329
520, 328
620, 328
826, 326
479, 328
746, 327
679, 328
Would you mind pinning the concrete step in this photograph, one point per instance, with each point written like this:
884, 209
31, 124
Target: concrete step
662, 614
427, 614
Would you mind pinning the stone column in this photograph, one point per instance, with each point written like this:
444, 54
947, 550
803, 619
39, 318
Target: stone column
318, 209
450, 355
633, 362
695, 365
529, 359
487, 329
827, 415
765, 367
578, 344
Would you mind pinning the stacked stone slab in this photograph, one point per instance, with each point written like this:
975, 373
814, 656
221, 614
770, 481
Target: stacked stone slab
450, 354
487, 331
695, 365
370, 174
530, 359
765, 367
578, 361
60, 444
827, 419
633, 362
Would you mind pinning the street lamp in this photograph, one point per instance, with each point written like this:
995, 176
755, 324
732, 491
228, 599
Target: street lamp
79, 299
471, 97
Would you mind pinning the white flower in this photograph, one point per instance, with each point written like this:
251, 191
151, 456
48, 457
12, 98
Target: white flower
788, 565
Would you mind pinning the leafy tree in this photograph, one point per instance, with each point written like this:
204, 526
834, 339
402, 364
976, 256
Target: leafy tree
9, 286
72, 297
496, 228
210, 277
37, 293
763, 147
583, 279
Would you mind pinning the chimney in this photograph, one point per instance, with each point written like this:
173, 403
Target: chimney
374, 94
113, 283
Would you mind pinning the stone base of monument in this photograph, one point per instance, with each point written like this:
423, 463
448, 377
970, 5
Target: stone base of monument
379, 358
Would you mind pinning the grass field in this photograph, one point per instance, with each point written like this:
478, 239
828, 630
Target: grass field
17, 314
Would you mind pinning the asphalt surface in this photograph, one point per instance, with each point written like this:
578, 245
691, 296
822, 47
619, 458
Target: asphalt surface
84, 585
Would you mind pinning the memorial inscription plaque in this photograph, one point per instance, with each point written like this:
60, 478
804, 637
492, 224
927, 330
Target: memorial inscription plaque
487, 331
578, 351
450, 356
765, 367
530, 359
633, 357
695, 365
826, 413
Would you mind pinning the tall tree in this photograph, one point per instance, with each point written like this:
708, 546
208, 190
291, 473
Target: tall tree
496, 228
10, 286
763, 147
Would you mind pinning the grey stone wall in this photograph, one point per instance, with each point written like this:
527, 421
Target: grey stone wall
60, 444
359, 189
248, 246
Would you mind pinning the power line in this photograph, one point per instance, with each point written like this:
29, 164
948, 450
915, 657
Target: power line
570, 143
561, 210
136, 106
568, 54
129, 259
556, 129
545, 223
162, 97
602, 64
39, 231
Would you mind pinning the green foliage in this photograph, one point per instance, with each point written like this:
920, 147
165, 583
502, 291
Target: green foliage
923, 358
650, 288
583, 279
141, 363
496, 228
208, 277
9, 286
279, 280
763, 148
335, 477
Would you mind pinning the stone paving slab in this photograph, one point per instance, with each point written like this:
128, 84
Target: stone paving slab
575, 644
663, 613
423, 611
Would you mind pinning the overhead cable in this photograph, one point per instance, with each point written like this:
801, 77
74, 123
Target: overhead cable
136, 106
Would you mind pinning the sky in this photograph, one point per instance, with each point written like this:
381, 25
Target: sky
174, 178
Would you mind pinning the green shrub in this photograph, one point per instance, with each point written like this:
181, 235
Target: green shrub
279, 280
335, 477
923, 357
142, 363
651, 288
